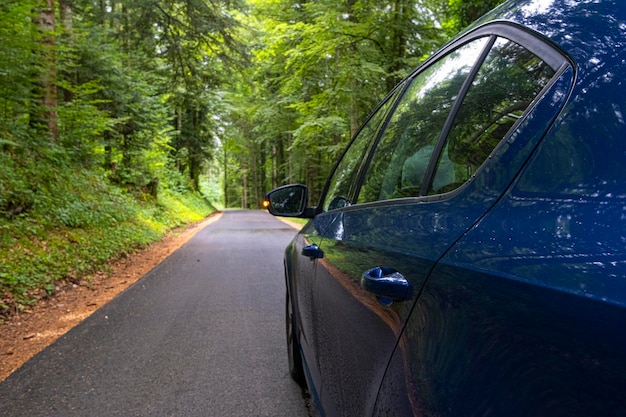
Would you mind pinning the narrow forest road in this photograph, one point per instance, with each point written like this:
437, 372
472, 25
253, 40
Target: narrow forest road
27, 333
202, 334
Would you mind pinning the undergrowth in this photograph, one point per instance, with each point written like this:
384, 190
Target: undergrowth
77, 223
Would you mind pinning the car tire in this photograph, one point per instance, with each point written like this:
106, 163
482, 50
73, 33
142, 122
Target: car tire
296, 370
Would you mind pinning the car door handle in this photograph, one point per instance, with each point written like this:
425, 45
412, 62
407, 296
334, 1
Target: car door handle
313, 251
387, 284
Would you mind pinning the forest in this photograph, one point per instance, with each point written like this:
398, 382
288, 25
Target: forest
120, 119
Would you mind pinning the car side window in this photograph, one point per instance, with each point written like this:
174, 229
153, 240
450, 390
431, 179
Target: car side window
504, 87
412, 158
343, 183
400, 160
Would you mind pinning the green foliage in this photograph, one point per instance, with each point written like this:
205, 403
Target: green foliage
463, 12
76, 227
82, 123
16, 70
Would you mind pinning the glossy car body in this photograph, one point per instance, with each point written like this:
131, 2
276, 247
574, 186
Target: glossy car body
494, 284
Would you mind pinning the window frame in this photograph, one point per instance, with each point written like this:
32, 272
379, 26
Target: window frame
533, 42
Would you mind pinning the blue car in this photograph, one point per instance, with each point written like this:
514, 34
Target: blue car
468, 254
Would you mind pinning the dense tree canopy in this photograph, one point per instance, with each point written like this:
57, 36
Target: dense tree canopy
184, 93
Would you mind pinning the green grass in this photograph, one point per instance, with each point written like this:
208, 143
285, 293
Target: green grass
76, 227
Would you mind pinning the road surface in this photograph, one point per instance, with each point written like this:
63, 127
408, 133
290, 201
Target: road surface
202, 334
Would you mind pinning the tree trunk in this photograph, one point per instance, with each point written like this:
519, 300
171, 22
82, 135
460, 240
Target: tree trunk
65, 14
262, 180
401, 17
45, 115
244, 188
103, 12
225, 177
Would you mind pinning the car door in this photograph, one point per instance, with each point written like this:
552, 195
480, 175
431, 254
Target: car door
304, 252
435, 170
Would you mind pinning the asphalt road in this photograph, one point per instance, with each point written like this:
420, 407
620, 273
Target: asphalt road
202, 334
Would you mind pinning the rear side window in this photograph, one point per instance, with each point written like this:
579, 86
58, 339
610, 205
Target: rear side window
504, 87
434, 143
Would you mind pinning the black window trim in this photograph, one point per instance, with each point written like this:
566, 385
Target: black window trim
533, 41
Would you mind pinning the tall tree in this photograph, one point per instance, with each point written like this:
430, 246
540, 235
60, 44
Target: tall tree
44, 115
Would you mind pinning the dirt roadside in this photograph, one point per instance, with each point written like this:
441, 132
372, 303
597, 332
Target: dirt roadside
26, 334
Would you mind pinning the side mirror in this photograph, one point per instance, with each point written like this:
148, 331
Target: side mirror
288, 201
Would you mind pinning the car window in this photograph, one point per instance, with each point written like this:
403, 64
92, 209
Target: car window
399, 163
411, 151
343, 183
504, 87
